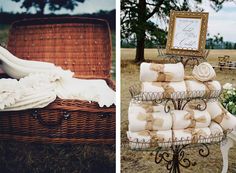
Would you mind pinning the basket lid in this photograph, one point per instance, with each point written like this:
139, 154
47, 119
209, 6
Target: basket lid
82, 45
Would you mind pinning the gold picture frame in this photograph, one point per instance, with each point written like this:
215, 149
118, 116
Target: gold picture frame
187, 33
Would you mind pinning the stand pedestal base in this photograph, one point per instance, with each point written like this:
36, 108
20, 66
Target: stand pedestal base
176, 158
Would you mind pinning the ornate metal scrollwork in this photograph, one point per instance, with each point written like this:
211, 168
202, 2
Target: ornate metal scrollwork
180, 104
177, 157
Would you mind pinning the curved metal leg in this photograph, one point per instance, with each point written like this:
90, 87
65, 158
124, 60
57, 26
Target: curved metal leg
224, 148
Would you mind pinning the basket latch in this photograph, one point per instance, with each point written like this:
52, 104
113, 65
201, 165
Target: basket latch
105, 115
54, 124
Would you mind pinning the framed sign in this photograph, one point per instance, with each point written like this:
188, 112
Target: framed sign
187, 33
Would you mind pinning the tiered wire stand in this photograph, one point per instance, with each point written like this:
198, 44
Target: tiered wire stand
173, 152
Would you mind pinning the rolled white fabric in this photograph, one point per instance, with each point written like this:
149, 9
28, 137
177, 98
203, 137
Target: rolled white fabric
215, 110
201, 119
191, 135
150, 72
145, 115
168, 89
144, 108
149, 121
178, 88
181, 136
137, 141
195, 88
26, 63
215, 128
17, 71
204, 72
150, 87
183, 119
216, 132
214, 88
221, 116
146, 139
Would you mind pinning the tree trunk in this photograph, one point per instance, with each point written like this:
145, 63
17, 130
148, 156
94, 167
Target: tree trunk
140, 48
140, 31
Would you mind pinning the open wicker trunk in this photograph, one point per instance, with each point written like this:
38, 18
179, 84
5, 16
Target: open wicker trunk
82, 45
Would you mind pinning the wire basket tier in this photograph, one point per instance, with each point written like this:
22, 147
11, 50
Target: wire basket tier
153, 145
138, 95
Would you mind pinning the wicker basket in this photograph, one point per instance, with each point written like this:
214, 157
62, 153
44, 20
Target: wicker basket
82, 45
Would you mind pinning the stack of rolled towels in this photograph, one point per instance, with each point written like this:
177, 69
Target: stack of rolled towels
169, 80
150, 125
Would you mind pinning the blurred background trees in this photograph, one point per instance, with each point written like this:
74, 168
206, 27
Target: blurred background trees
54, 5
141, 20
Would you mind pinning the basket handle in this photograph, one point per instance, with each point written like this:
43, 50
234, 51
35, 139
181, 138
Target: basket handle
65, 116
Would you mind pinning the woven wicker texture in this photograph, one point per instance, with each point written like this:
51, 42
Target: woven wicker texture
82, 45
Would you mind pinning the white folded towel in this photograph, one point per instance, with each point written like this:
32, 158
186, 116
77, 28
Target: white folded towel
95, 90
39, 100
150, 72
36, 77
10, 91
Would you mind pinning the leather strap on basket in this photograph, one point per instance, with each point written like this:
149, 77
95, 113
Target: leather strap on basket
64, 116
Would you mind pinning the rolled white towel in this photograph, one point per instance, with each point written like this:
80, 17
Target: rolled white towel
146, 139
165, 89
195, 88
221, 116
149, 121
191, 135
152, 87
214, 88
144, 107
150, 72
183, 119
204, 72
179, 90
201, 119
216, 132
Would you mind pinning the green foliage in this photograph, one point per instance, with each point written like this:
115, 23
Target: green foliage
228, 100
53, 4
217, 42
